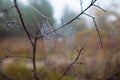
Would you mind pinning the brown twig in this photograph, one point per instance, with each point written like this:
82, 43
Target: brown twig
34, 55
96, 27
22, 21
100, 39
70, 65
64, 25
33, 43
100, 8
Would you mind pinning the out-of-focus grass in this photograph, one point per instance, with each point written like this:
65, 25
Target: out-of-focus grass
97, 63
18, 69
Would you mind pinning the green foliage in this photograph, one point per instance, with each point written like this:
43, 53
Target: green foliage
69, 78
18, 70
51, 74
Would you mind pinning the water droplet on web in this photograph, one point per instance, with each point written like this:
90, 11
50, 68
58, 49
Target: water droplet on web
48, 38
66, 34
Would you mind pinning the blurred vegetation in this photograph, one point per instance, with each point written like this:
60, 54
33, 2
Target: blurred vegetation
78, 24
33, 14
96, 63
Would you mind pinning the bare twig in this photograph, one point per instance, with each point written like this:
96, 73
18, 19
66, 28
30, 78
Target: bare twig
88, 15
100, 39
34, 55
81, 5
93, 1
22, 21
33, 39
70, 65
96, 27
64, 25
100, 8
33, 43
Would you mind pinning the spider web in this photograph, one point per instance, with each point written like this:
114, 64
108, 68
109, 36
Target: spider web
48, 38
68, 33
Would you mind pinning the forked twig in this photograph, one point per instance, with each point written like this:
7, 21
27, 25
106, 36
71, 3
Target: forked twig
22, 21
33, 40
100, 8
70, 65
96, 27
75, 18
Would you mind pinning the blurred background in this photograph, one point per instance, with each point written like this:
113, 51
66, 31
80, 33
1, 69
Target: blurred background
56, 50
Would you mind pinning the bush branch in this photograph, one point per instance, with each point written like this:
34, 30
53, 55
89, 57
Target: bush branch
70, 65
22, 21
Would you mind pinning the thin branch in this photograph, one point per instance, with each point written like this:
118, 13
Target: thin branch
22, 21
81, 6
93, 1
96, 27
34, 55
88, 15
70, 65
10, 23
64, 25
100, 8
100, 39
33, 43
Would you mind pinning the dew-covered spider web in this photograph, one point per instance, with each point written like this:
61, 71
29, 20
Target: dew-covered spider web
67, 33
48, 38
51, 38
